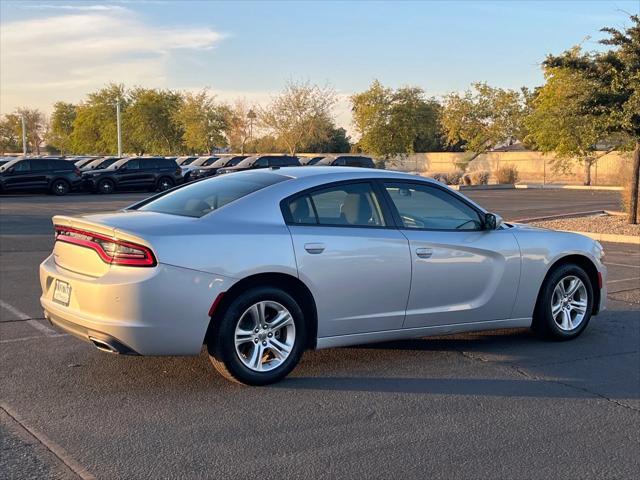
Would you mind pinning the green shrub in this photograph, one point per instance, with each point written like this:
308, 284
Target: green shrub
479, 177
507, 174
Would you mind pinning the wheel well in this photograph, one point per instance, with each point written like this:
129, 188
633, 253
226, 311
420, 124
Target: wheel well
587, 265
290, 284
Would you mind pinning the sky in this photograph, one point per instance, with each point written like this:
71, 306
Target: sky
61, 50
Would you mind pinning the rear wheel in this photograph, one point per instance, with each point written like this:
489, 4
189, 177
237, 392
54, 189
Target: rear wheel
260, 337
565, 303
165, 183
60, 187
106, 186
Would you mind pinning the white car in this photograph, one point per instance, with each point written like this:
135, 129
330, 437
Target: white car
262, 265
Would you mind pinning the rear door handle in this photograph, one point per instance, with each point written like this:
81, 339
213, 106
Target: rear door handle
424, 252
314, 248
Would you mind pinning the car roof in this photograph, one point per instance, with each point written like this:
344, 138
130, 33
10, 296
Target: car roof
346, 172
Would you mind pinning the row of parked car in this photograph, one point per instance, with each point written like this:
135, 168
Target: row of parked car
61, 175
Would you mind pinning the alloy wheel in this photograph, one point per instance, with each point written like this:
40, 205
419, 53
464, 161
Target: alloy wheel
265, 336
569, 303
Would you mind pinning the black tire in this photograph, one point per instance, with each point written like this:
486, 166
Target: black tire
544, 322
106, 186
60, 187
165, 183
221, 344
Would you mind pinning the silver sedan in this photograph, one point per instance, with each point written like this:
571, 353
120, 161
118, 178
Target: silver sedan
261, 265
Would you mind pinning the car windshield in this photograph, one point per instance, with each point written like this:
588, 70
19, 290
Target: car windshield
247, 162
198, 199
11, 163
104, 163
118, 163
324, 161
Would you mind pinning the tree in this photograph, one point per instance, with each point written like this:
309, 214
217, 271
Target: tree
239, 126
150, 121
203, 122
61, 126
94, 128
558, 123
9, 134
395, 122
616, 72
482, 118
296, 116
35, 125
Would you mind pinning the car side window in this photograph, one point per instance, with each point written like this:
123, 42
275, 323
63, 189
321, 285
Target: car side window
261, 162
132, 165
350, 205
22, 167
430, 208
39, 165
340, 162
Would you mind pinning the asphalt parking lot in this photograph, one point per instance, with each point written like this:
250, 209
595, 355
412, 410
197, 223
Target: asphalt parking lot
500, 404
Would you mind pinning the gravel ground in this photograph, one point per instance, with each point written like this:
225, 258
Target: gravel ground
613, 224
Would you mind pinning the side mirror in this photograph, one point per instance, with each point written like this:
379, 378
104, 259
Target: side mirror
492, 221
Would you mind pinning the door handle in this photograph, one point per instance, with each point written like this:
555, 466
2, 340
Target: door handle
314, 248
424, 252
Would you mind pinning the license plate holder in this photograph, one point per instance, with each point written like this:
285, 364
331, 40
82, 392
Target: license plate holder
62, 293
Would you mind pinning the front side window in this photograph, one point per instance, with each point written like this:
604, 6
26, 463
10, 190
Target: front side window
261, 162
430, 208
132, 165
22, 166
354, 205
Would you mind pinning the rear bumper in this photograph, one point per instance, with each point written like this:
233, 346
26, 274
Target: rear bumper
147, 311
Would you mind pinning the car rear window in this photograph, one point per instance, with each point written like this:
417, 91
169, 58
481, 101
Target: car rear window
199, 198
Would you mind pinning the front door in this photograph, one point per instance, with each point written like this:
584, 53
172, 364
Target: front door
355, 263
460, 272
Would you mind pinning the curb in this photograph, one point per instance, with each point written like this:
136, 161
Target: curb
497, 186
589, 213
569, 187
609, 237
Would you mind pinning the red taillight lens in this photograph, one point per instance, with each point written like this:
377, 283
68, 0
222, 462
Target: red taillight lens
77, 172
110, 250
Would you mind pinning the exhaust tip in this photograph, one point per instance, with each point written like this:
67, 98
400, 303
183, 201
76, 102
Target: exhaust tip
110, 345
103, 346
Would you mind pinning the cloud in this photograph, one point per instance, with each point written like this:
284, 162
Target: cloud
80, 48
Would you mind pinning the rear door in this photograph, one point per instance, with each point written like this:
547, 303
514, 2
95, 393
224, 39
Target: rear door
460, 272
355, 262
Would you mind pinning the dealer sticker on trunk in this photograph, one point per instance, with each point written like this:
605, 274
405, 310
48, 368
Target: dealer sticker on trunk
62, 292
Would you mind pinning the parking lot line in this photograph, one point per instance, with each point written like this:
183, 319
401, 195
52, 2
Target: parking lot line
23, 316
623, 280
622, 265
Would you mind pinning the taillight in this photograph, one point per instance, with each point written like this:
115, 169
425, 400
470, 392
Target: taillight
77, 172
110, 250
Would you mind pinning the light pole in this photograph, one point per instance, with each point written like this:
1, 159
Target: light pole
24, 136
119, 129
251, 116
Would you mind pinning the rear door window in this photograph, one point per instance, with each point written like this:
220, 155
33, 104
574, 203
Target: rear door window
39, 165
349, 205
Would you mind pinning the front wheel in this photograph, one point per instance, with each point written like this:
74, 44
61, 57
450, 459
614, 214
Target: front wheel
565, 303
106, 186
260, 337
60, 187
165, 183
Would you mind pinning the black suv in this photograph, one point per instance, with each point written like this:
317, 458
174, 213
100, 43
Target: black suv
137, 173
210, 169
347, 161
56, 176
263, 161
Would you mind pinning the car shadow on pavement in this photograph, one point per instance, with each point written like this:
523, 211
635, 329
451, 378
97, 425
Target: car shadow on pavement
485, 387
